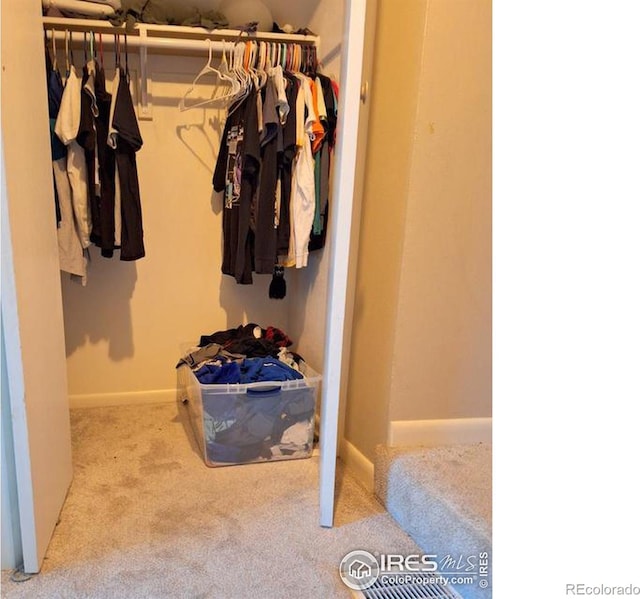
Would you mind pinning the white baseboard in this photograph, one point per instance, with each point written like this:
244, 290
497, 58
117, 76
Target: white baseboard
429, 433
128, 398
358, 463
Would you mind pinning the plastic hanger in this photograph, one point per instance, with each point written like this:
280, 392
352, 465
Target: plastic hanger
66, 53
223, 73
258, 80
242, 75
54, 51
261, 63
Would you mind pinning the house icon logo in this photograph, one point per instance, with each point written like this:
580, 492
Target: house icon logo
359, 570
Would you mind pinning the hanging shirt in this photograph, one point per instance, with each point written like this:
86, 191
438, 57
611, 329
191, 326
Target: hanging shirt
236, 174
112, 141
282, 103
303, 184
67, 125
285, 165
125, 132
87, 140
319, 232
266, 234
54, 95
317, 129
106, 180
70, 255
251, 161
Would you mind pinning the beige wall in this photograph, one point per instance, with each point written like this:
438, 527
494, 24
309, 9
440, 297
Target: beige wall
123, 331
422, 327
442, 361
399, 33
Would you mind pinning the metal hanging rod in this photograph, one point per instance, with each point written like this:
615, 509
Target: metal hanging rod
169, 37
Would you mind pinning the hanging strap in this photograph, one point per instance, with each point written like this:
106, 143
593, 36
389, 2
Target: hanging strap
54, 52
126, 59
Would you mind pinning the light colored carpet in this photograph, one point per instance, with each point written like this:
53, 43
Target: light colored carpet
145, 518
442, 497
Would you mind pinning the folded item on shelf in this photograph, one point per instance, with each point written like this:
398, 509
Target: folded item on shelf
166, 12
81, 8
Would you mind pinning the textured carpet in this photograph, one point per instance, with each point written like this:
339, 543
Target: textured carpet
442, 497
145, 518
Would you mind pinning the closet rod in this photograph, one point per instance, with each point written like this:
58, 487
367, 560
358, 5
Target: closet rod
174, 39
155, 43
170, 37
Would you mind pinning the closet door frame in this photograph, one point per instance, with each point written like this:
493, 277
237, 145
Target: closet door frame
343, 191
32, 319
35, 531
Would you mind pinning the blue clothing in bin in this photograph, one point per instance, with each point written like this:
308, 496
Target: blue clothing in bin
246, 426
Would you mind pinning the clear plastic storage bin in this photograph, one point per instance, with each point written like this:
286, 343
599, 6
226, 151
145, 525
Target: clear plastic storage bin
254, 422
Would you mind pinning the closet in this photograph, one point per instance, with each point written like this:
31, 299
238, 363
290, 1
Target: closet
122, 332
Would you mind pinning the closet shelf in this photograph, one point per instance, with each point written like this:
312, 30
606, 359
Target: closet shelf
171, 36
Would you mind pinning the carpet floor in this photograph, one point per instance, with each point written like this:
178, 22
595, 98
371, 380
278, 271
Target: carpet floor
145, 518
442, 497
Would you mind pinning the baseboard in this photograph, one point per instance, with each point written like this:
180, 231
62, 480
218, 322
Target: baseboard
127, 398
430, 433
358, 463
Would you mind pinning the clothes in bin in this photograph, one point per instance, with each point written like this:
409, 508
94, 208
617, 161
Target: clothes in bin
243, 423
251, 426
250, 398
